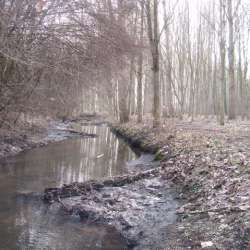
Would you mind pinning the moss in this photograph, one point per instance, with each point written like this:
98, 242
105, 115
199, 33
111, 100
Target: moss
195, 188
159, 156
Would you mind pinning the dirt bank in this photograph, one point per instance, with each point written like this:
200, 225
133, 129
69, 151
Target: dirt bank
131, 203
26, 135
132, 208
210, 168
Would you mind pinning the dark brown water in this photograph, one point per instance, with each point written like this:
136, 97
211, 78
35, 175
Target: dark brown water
27, 223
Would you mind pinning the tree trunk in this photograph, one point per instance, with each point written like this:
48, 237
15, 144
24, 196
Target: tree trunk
232, 93
140, 65
222, 58
153, 34
169, 93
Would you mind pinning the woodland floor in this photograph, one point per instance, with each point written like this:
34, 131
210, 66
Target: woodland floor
206, 164
210, 165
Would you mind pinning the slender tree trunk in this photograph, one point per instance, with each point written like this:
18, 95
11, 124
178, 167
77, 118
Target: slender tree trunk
222, 61
131, 103
232, 89
214, 91
123, 99
123, 86
140, 66
240, 80
153, 33
169, 94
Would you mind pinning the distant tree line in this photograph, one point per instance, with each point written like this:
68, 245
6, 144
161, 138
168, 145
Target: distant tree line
125, 58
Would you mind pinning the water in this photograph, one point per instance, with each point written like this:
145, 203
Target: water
27, 223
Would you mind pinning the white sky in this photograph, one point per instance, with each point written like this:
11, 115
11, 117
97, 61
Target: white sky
195, 8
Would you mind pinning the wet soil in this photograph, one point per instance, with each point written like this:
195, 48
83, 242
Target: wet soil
141, 211
209, 166
140, 205
28, 223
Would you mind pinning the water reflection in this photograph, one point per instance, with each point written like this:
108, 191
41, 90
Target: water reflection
26, 223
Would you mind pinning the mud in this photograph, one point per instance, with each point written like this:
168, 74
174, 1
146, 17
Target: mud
141, 206
141, 211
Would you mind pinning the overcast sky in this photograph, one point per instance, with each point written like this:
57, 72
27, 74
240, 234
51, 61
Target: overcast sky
196, 7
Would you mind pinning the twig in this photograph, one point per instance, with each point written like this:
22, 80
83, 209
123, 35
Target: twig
217, 210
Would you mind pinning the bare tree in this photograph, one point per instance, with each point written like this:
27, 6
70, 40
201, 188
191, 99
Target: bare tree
153, 34
222, 61
140, 68
231, 56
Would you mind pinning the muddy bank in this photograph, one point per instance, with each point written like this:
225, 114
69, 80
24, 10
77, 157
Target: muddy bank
78, 189
211, 174
140, 207
144, 140
29, 136
25, 176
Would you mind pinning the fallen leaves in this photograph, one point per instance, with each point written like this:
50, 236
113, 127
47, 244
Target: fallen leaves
212, 173
206, 244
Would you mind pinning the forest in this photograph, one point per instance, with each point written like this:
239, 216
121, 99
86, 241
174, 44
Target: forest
131, 105
124, 59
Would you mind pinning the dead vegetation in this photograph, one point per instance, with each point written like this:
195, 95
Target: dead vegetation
209, 166
211, 169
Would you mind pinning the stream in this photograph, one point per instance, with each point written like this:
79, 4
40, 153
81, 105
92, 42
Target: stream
27, 223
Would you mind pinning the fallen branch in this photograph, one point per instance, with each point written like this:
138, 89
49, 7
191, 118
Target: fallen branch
216, 210
78, 189
77, 132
